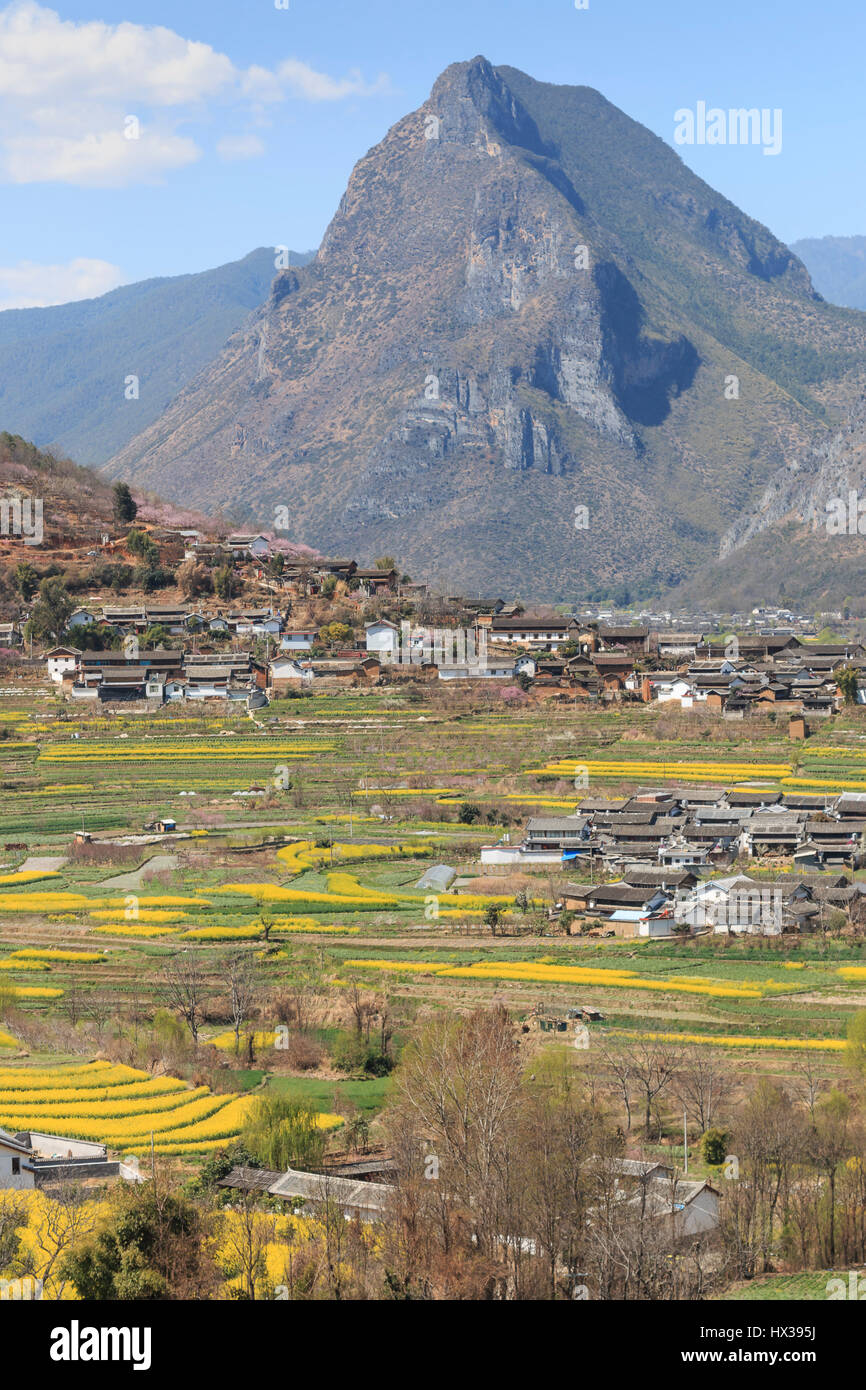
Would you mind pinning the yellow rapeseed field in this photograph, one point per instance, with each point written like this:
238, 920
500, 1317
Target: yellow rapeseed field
50, 954
28, 876
119, 1107
537, 971
717, 1040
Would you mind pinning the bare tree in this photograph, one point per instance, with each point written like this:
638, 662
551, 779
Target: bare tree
653, 1067
461, 1080
247, 1234
619, 1064
185, 989
702, 1085
807, 1081
240, 978
67, 1218
73, 1004
100, 1007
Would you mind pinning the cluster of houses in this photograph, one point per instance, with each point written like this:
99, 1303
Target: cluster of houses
565, 658
575, 659
685, 669
301, 574
162, 675
761, 672
664, 845
178, 620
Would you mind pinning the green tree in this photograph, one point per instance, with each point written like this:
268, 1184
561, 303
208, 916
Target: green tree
149, 577
714, 1146
282, 1133
154, 1245
51, 612
26, 580
96, 638
224, 582
218, 1166
846, 679
493, 918
125, 508
139, 543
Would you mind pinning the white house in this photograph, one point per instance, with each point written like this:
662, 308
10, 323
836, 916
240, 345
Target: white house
530, 632
261, 622
672, 688
15, 1167
682, 1207
60, 661
482, 671
679, 644
285, 669
299, 640
31, 1159
207, 682
382, 639
257, 546
82, 617
733, 904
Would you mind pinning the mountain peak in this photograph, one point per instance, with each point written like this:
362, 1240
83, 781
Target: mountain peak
526, 308
475, 93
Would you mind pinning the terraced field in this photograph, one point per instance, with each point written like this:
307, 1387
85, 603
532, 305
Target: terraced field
302, 840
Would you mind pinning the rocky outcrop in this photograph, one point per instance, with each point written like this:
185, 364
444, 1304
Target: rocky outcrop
809, 487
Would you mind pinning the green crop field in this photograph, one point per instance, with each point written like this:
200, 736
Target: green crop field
378, 790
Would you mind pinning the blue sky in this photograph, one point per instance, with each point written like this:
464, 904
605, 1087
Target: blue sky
251, 117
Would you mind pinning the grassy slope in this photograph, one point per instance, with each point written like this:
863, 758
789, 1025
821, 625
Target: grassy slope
162, 330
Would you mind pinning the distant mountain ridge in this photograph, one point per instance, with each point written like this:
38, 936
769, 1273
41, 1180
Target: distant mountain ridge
837, 265
533, 344
62, 369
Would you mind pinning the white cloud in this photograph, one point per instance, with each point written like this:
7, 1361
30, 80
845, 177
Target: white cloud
29, 285
299, 80
107, 159
233, 147
44, 58
66, 89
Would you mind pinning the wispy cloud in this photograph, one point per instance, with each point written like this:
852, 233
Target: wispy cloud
29, 285
67, 90
293, 78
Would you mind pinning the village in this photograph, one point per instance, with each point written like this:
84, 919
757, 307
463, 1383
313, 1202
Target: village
278, 821
383, 628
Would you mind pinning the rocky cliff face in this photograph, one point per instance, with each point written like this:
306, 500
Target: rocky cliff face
806, 488
524, 304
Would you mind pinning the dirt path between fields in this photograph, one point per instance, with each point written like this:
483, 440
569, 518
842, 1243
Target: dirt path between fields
158, 864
